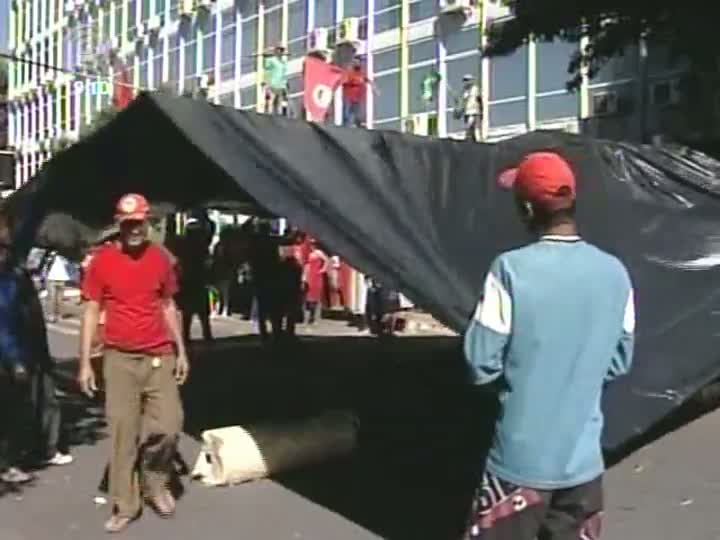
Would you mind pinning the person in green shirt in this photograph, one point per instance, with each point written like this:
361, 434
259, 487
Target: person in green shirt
275, 67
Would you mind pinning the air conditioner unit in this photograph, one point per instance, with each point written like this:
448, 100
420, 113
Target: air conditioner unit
418, 124
187, 8
349, 31
665, 93
115, 43
456, 6
154, 24
318, 40
205, 4
605, 104
70, 7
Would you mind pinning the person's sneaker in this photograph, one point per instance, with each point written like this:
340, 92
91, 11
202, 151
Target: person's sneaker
15, 476
61, 459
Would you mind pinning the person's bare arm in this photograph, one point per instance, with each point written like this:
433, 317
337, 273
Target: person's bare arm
90, 320
172, 319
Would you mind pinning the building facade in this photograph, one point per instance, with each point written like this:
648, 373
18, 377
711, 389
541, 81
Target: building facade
176, 43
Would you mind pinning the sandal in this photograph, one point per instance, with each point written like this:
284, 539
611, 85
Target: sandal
163, 504
117, 524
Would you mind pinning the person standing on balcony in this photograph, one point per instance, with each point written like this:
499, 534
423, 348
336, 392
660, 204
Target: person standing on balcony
555, 324
354, 87
472, 107
276, 81
145, 361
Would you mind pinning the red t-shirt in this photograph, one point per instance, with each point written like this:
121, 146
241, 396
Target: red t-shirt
354, 86
133, 292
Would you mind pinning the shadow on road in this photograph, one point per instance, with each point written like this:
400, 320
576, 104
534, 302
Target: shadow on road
421, 438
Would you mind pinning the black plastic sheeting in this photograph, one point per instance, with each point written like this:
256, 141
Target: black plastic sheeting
426, 216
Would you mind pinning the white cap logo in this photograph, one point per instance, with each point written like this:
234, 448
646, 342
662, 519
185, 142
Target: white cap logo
322, 95
128, 205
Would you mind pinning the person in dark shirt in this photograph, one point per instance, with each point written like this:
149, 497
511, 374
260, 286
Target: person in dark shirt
192, 297
288, 292
264, 262
14, 376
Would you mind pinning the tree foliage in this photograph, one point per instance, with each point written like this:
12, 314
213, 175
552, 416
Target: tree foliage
686, 28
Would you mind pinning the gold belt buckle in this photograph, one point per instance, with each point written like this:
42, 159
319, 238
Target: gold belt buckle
155, 362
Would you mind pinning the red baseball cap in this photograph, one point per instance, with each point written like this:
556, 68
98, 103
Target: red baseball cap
132, 207
542, 178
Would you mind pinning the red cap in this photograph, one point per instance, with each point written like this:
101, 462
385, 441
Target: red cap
542, 178
132, 207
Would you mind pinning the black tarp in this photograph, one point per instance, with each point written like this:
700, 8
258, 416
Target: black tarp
426, 216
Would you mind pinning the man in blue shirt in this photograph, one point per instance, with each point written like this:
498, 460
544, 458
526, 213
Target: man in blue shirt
556, 322
14, 378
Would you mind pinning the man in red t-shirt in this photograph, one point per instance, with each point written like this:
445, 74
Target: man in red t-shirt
354, 86
133, 282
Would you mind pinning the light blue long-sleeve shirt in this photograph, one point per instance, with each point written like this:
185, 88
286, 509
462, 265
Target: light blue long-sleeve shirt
556, 322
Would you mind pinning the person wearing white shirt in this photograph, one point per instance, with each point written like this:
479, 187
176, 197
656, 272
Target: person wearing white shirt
57, 278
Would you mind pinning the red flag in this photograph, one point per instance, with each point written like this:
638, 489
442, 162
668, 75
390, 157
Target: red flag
321, 81
122, 89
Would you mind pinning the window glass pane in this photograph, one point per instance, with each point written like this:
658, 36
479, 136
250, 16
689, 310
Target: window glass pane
384, 4
157, 66
560, 106
118, 21
190, 58
132, 16
248, 97
273, 28
464, 41
227, 72
388, 59
143, 75
106, 25
624, 66
227, 50
145, 10
506, 114
297, 20
228, 17
174, 8
422, 50
508, 75
272, 3
295, 83
387, 21
324, 13
553, 59
159, 7
354, 8
248, 8
295, 106
249, 44
227, 100
209, 52
297, 29
457, 69
422, 9
387, 103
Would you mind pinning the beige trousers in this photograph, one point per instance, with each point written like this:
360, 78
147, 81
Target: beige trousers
145, 415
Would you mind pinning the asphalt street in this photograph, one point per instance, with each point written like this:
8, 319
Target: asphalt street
668, 490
